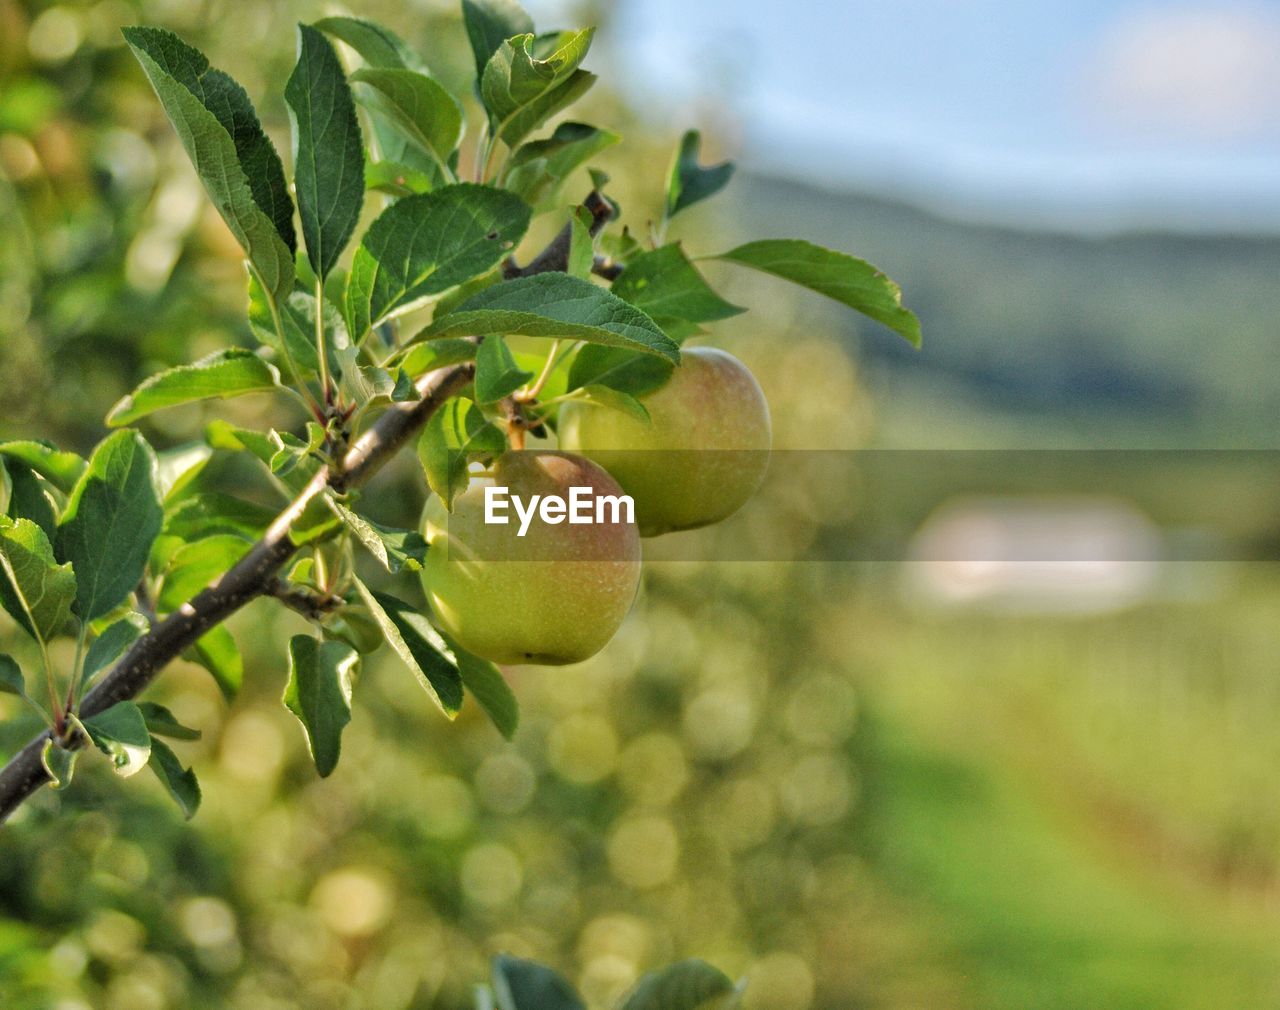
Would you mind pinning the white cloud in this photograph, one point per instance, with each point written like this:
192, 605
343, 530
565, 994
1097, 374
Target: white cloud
1201, 70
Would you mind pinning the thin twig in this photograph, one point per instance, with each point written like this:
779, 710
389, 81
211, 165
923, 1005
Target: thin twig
608, 268
556, 255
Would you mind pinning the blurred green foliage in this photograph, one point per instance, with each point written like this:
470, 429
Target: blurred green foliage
785, 769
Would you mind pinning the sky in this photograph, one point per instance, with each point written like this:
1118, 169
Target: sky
1096, 113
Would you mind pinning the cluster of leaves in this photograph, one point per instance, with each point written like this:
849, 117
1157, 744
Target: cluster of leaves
100, 549
687, 985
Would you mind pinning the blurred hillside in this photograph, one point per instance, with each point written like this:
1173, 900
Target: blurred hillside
1048, 339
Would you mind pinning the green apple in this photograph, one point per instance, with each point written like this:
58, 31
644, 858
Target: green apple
553, 594
700, 456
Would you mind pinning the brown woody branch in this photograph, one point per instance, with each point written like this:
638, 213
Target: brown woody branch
258, 573
556, 255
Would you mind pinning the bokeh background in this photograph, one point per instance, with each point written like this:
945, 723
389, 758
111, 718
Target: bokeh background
933, 777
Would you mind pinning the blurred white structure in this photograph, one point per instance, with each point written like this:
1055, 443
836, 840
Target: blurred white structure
1055, 555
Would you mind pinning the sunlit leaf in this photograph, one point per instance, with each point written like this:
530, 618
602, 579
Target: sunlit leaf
221, 375
556, 305
396, 549
377, 44
419, 105
121, 733
424, 245
238, 165
35, 589
62, 469
522, 90
59, 763
851, 281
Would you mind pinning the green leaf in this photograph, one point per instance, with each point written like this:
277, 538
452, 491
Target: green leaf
613, 399
218, 654
179, 782
527, 985
424, 245
298, 320
621, 246
195, 565
112, 518
425, 357
522, 91
582, 246
688, 985
397, 179
328, 153
221, 375
556, 305
490, 689
489, 23
851, 281
292, 451
321, 675
161, 722
266, 446
35, 590
669, 288
537, 170
497, 374
110, 521
11, 679
377, 45
223, 435
404, 391
688, 182
121, 733
178, 468
108, 647
29, 497
454, 433
531, 116
356, 626
211, 512
62, 469
419, 646
396, 549
426, 113
239, 167
620, 369
59, 762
